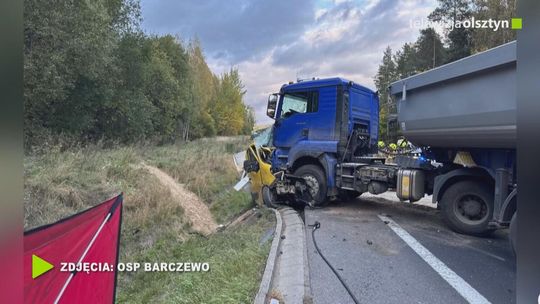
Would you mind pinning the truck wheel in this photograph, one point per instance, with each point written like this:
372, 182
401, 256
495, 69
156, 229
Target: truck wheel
513, 232
467, 207
316, 180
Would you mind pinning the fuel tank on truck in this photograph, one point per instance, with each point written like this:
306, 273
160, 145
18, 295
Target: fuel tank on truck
469, 103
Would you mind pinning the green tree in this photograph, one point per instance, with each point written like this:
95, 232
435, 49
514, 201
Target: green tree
229, 111
68, 59
386, 74
91, 73
167, 87
184, 110
459, 39
484, 39
430, 52
405, 60
204, 91
128, 116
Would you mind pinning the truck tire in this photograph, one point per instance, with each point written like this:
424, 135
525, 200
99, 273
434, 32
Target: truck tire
316, 180
269, 197
513, 232
467, 207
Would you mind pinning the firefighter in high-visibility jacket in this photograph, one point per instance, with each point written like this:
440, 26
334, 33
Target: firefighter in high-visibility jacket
402, 143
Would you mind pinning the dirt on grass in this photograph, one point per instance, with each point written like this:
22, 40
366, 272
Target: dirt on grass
195, 210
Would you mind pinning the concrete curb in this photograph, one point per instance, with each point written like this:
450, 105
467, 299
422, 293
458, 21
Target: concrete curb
266, 281
290, 277
308, 297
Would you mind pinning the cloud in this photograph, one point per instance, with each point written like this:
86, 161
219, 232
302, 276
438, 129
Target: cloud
273, 42
347, 31
234, 30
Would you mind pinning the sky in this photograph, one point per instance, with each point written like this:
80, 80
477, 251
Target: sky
272, 42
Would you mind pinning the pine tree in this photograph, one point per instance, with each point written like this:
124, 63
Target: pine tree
430, 52
386, 74
459, 39
405, 60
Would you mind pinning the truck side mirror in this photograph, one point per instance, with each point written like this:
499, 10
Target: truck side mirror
272, 105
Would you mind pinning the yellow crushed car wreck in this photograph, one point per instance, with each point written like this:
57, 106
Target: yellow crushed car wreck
260, 175
267, 187
255, 163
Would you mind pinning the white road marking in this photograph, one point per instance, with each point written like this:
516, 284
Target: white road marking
461, 286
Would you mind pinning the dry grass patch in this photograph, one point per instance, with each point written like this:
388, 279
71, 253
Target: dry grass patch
62, 181
59, 184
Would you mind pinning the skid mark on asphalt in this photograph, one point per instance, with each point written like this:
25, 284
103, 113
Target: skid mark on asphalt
461, 286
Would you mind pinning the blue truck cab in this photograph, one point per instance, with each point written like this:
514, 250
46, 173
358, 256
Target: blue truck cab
314, 121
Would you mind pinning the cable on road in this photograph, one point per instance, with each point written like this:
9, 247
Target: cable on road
316, 226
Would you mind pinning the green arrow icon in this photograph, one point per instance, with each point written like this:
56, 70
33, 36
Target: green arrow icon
39, 266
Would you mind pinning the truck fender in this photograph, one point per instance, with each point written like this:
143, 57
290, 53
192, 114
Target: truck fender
443, 181
329, 163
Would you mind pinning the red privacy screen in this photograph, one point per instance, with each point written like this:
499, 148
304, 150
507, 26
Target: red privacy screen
91, 236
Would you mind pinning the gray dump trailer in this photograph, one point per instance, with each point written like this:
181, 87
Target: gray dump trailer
467, 103
463, 116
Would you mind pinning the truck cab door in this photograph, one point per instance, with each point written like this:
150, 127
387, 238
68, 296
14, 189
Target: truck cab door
294, 118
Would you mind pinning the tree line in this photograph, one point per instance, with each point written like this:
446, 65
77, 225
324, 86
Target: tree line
431, 50
91, 73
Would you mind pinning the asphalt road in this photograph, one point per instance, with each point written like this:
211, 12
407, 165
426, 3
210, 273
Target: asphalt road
380, 267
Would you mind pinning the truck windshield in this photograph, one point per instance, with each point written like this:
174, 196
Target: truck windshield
294, 103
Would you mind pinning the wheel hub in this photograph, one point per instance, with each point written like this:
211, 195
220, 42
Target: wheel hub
313, 184
471, 209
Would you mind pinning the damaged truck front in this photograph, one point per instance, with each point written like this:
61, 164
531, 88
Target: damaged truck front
324, 130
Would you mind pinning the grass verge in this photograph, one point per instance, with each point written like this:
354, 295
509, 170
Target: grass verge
236, 257
61, 182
